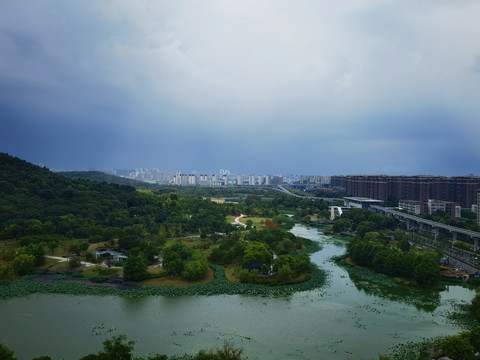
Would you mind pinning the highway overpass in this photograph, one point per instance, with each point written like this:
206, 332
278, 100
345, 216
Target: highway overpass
425, 225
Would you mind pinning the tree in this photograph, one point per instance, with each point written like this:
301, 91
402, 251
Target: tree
394, 263
52, 245
13, 230
475, 338
458, 347
174, 257
404, 245
78, 247
135, 268
128, 242
196, 270
33, 226
117, 348
342, 224
426, 272
285, 273
157, 357
265, 269
475, 307
371, 236
216, 256
74, 262
6, 353
365, 227
301, 264
228, 352
256, 252
5, 271
174, 265
37, 252
23, 264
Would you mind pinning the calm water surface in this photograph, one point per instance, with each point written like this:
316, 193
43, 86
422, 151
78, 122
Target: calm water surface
348, 318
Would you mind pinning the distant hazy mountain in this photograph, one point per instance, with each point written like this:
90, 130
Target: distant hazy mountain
99, 176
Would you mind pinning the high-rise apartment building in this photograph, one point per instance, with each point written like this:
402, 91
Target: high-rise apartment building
391, 189
478, 207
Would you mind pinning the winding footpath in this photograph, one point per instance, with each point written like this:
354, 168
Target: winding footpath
237, 221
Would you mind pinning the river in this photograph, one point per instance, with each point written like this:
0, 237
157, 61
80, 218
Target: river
347, 318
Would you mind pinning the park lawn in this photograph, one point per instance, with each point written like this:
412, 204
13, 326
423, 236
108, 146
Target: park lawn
229, 270
62, 250
94, 271
176, 280
100, 245
157, 271
203, 246
231, 219
61, 266
258, 222
48, 262
195, 242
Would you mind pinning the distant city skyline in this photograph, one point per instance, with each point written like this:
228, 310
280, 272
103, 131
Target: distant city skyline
124, 172
271, 87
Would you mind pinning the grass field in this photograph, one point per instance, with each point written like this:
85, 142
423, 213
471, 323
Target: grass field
258, 222
230, 219
194, 242
175, 280
95, 271
229, 270
61, 266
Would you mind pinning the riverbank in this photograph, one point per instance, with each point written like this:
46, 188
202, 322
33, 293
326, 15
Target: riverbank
350, 316
219, 286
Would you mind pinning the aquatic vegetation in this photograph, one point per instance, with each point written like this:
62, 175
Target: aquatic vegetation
220, 285
411, 350
426, 299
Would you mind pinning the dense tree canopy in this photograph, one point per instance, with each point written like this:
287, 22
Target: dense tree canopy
381, 253
45, 210
135, 268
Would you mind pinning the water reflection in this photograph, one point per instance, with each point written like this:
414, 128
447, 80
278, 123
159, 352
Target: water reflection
373, 284
352, 316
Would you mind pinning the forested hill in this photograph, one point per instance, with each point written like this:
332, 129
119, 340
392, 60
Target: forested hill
99, 176
29, 191
34, 200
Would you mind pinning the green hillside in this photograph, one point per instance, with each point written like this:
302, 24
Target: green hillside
34, 200
99, 176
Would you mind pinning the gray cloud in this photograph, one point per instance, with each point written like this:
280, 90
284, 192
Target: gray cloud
476, 66
363, 77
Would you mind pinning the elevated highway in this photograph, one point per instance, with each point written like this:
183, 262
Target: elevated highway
283, 190
425, 224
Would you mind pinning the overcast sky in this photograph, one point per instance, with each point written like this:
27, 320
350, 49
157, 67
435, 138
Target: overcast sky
264, 87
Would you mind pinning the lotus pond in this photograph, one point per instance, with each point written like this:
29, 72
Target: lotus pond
355, 314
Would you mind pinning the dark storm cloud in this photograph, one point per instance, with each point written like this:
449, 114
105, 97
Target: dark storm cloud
310, 87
